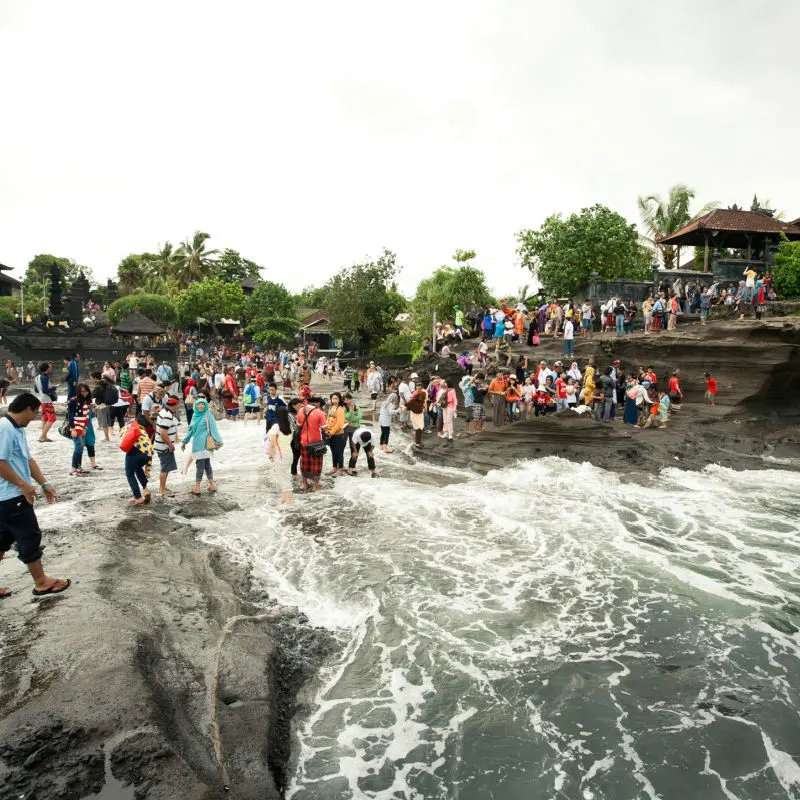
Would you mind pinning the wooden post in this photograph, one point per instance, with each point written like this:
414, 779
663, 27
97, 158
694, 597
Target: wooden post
705, 256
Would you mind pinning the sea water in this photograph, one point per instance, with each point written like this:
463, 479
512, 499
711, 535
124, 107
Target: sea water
550, 630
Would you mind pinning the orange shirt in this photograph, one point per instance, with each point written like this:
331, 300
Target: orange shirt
498, 385
335, 420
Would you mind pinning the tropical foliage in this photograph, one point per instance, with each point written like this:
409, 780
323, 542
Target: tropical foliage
447, 288
271, 314
565, 254
172, 269
212, 300
362, 301
786, 270
231, 267
37, 276
662, 218
155, 307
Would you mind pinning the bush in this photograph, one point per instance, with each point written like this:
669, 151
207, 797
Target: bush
153, 306
786, 272
399, 344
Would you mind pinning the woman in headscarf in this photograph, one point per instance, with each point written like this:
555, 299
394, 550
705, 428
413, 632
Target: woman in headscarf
574, 372
190, 394
202, 431
279, 452
631, 415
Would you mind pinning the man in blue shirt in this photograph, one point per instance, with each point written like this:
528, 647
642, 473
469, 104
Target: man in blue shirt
18, 523
73, 374
164, 373
273, 400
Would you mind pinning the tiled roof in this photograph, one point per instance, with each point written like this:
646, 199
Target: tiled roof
726, 219
313, 319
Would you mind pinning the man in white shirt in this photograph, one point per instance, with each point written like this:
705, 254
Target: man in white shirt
164, 444
404, 391
586, 320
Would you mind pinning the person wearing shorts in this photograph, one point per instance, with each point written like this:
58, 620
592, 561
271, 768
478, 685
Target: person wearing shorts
165, 440
18, 523
478, 409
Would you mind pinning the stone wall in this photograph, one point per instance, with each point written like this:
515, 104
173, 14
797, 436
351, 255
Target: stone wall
34, 344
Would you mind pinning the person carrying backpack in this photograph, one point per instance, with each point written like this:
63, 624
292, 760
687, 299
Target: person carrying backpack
252, 400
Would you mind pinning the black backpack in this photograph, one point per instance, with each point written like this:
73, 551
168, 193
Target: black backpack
111, 394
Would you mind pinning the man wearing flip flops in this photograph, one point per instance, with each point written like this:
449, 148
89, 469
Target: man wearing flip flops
18, 521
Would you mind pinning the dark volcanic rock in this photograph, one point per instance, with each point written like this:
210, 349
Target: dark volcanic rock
160, 659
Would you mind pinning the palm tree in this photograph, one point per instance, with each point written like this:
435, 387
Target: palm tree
195, 260
166, 263
662, 219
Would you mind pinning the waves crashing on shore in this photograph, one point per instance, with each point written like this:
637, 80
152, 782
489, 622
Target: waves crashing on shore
549, 630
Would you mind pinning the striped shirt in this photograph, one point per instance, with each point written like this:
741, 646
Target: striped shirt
166, 419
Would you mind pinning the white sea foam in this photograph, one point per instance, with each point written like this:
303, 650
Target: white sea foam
538, 627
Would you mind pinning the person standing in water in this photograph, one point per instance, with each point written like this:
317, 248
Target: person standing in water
43, 390
204, 436
279, 452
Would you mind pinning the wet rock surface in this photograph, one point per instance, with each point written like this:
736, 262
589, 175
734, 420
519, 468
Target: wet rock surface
161, 657
757, 369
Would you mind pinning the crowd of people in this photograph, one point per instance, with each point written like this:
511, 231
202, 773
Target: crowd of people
155, 408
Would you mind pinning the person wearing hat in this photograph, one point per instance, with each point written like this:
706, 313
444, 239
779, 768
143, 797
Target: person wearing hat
459, 322
252, 400
164, 443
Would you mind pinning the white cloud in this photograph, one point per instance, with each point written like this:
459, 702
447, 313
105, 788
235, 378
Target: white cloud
308, 135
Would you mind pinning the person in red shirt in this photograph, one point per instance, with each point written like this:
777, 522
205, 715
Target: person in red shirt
561, 392
675, 393
230, 391
711, 389
311, 419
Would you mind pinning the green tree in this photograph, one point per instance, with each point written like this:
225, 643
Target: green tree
448, 287
153, 306
231, 267
363, 302
312, 297
662, 218
564, 253
39, 271
211, 299
271, 314
164, 264
132, 272
8, 307
786, 270
195, 262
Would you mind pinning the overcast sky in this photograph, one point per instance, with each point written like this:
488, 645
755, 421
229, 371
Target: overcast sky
308, 135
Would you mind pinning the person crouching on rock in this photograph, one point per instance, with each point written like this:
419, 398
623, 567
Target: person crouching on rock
18, 523
204, 436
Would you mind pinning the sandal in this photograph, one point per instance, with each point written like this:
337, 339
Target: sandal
136, 501
96, 467
196, 494
66, 583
